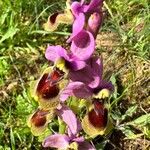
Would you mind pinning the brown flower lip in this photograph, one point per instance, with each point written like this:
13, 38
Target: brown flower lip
48, 86
53, 17
39, 118
98, 115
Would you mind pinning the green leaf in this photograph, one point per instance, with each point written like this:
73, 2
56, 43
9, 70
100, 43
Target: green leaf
116, 115
113, 80
130, 112
46, 133
47, 32
147, 131
141, 121
3, 17
101, 146
129, 133
9, 34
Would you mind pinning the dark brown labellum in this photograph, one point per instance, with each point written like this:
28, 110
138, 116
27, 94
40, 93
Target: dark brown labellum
39, 118
53, 17
98, 115
47, 87
57, 75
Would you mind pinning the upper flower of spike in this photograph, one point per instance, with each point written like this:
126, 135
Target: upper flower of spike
62, 59
57, 18
81, 11
85, 28
82, 7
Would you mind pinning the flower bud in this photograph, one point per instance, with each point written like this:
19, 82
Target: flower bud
94, 23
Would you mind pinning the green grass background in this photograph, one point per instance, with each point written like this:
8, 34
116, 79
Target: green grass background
124, 41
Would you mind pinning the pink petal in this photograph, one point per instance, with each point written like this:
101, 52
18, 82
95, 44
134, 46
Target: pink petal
79, 139
77, 26
94, 5
77, 89
93, 71
83, 45
79, 128
56, 141
51, 53
69, 118
106, 85
76, 8
77, 65
97, 66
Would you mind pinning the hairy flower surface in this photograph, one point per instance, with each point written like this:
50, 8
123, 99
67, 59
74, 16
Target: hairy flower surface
96, 121
46, 90
98, 115
39, 120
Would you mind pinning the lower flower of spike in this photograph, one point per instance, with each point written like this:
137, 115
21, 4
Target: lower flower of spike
96, 121
46, 91
39, 120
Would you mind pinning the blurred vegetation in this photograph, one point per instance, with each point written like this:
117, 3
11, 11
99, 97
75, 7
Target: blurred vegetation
125, 43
